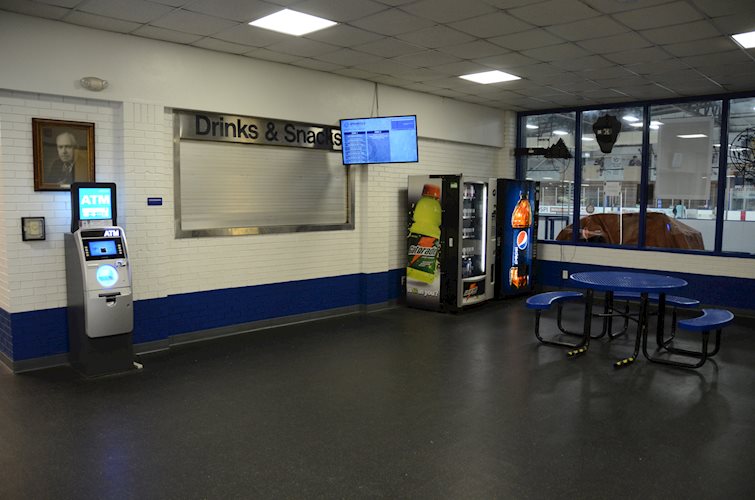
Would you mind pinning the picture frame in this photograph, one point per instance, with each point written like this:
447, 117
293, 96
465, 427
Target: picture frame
63, 153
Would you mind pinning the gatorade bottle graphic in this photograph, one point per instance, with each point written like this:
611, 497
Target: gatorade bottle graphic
424, 236
521, 220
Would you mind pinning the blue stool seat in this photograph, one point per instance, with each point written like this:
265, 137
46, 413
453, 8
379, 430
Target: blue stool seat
546, 299
712, 319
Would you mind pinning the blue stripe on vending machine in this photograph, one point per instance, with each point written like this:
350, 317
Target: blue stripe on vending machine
517, 233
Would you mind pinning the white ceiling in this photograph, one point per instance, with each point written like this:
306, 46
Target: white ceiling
568, 52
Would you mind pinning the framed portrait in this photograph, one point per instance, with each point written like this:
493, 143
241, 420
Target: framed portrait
63, 153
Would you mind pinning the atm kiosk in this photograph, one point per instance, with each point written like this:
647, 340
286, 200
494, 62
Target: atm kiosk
98, 275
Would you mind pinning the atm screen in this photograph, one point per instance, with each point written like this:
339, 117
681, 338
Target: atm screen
95, 203
99, 248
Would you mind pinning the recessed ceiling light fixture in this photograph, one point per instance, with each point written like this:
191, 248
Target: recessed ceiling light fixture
691, 136
630, 118
490, 77
635, 124
531, 126
560, 132
745, 40
291, 22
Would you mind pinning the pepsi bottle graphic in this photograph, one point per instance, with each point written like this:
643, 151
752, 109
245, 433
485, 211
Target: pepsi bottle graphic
521, 220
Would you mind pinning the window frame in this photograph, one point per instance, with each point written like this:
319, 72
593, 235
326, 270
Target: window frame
644, 174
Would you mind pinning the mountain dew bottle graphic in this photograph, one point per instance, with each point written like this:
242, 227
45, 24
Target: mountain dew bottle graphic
424, 236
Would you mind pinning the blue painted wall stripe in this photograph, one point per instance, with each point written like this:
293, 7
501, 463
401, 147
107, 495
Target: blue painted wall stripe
42, 333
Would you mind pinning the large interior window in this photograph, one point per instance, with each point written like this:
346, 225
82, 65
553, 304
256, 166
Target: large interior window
683, 185
610, 187
659, 188
556, 175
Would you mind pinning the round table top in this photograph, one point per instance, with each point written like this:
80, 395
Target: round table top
627, 281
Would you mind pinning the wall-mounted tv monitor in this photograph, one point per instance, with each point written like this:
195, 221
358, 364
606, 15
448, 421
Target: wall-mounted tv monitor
93, 204
385, 139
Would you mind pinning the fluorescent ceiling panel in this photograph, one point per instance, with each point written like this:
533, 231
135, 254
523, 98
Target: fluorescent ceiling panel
490, 77
291, 22
746, 40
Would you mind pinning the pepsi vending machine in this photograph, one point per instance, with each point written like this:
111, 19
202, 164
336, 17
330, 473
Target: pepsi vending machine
516, 236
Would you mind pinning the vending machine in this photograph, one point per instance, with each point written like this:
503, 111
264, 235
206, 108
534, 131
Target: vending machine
451, 241
516, 236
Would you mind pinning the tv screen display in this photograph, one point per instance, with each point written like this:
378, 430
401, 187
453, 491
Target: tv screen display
95, 203
386, 139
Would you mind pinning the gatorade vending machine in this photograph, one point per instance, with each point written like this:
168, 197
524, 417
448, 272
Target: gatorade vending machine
98, 282
451, 241
517, 236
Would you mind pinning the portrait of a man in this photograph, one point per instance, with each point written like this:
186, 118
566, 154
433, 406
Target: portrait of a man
63, 154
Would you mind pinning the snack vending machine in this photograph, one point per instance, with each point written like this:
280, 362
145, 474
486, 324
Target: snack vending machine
451, 241
517, 236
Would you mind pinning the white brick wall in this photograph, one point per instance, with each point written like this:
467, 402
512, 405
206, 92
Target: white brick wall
134, 149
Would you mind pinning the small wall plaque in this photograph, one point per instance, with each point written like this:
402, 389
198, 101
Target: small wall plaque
32, 228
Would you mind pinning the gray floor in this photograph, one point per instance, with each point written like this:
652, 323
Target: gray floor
394, 404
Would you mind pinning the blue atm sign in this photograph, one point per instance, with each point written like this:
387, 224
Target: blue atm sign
95, 204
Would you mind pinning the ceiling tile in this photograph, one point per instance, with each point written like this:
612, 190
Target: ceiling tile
192, 22
506, 4
553, 12
612, 6
638, 55
384, 67
250, 35
355, 73
606, 73
648, 92
707, 46
658, 16
436, 36
507, 61
269, 55
586, 29
650, 68
616, 43
137, 11
339, 10
541, 69
474, 50
343, 35
459, 68
35, 9
389, 47
583, 63
166, 35
447, 11
735, 24
427, 58
681, 33
172, 3
222, 46
717, 8
421, 75
60, 3
237, 10
538, 91
347, 57
392, 22
530, 39
302, 47
316, 64
101, 22
490, 25
737, 57
556, 52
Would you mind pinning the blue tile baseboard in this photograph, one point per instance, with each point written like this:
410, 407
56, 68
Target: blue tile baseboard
28, 336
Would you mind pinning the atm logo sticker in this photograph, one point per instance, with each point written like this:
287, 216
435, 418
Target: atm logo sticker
113, 233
